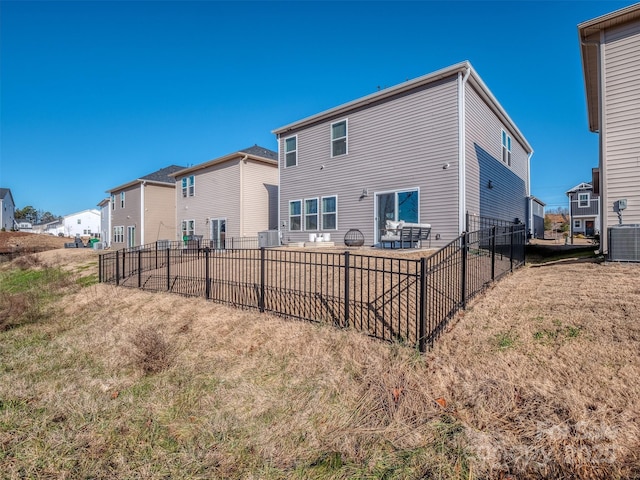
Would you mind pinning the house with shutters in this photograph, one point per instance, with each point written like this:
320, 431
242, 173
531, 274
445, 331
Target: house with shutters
435, 150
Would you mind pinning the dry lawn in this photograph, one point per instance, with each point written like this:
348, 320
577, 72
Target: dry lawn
29, 242
540, 378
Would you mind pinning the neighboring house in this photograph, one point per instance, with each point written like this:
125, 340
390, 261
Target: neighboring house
24, 226
84, 223
144, 210
584, 210
535, 221
7, 210
610, 49
430, 151
234, 196
105, 221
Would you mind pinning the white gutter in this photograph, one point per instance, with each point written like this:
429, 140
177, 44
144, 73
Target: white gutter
462, 181
142, 186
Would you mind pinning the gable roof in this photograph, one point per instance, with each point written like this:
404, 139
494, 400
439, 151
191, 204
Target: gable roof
589, 37
408, 86
257, 153
4, 192
162, 176
580, 187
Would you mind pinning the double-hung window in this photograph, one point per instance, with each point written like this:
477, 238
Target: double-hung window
188, 227
121, 199
583, 200
339, 138
506, 148
188, 186
118, 234
311, 214
113, 202
295, 215
291, 151
329, 213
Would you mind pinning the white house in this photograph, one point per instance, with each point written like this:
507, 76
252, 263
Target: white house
105, 221
84, 223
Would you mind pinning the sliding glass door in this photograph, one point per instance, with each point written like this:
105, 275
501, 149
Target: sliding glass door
398, 205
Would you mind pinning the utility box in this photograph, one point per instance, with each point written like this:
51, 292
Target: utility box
269, 238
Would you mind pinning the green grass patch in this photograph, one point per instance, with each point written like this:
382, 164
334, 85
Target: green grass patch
505, 340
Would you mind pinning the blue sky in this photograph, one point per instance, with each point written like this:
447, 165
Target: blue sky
95, 94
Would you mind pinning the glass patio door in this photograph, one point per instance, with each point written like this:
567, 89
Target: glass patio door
131, 236
399, 205
218, 232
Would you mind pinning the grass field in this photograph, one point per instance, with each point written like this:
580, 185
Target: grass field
539, 378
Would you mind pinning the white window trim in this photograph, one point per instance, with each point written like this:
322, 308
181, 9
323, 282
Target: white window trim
122, 199
588, 194
294, 151
113, 202
183, 229
301, 215
577, 223
346, 137
305, 214
505, 144
322, 212
188, 183
118, 233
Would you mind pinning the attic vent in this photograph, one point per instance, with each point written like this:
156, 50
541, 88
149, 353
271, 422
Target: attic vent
624, 243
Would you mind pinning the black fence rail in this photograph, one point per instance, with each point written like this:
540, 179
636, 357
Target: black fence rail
392, 299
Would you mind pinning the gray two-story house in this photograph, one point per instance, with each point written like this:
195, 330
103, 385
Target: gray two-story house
7, 210
429, 151
584, 210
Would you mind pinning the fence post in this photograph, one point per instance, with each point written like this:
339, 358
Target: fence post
464, 270
156, 255
262, 264
124, 268
511, 249
117, 267
346, 289
139, 268
100, 268
493, 253
168, 270
423, 307
207, 291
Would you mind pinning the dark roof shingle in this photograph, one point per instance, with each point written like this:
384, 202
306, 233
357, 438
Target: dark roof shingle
162, 175
260, 152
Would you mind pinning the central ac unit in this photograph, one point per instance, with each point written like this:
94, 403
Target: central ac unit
269, 238
624, 243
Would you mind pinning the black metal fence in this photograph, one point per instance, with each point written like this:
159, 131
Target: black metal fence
407, 300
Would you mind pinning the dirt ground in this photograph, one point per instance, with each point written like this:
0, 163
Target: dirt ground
24, 241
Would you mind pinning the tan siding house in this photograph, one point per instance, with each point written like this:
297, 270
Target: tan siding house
610, 48
144, 210
422, 151
234, 196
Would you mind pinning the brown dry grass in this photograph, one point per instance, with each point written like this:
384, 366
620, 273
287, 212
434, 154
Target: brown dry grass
539, 379
29, 242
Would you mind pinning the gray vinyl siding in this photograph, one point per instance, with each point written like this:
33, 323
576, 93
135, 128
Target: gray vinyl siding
621, 126
129, 216
399, 144
507, 200
217, 190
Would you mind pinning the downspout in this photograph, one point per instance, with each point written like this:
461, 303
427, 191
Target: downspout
244, 159
529, 227
280, 229
144, 184
462, 182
